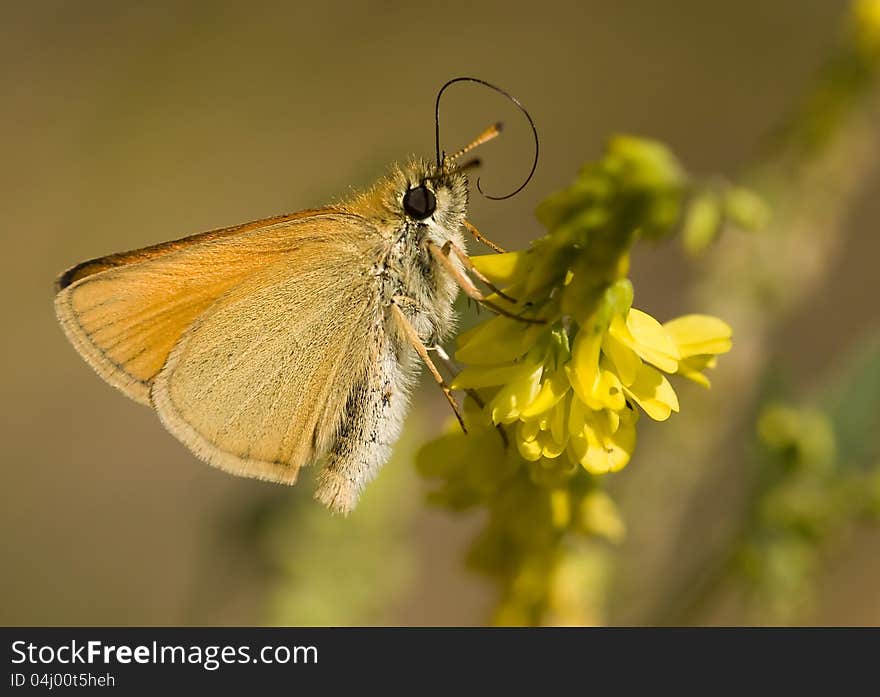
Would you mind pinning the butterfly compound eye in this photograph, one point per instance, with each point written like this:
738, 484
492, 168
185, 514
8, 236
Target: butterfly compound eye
420, 202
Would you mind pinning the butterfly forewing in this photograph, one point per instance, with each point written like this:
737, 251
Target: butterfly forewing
125, 312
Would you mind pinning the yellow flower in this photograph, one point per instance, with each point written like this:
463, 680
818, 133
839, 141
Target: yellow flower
601, 441
554, 403
583, 400
573, 385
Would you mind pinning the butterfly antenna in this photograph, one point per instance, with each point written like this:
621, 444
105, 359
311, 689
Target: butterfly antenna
490, 133
487, 135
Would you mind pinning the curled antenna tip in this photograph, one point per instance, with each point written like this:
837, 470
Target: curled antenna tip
497, 129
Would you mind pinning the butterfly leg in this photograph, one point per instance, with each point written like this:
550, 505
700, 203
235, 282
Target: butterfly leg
413, 337
442, 255
473, 394
450, 248
479, 237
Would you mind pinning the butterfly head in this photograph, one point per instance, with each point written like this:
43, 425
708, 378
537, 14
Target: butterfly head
434, 195
417, 195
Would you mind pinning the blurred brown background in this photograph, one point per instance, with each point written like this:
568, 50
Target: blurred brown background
124, 126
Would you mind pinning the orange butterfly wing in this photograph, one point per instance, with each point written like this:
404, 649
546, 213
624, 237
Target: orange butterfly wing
125, 312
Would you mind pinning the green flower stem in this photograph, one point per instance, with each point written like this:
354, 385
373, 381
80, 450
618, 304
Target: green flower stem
811, 177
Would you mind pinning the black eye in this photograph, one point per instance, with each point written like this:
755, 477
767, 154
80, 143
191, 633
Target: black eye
419, 203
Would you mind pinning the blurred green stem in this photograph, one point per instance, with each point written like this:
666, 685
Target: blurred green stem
811, 176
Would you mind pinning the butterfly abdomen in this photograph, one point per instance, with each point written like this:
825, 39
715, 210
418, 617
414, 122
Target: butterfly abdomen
372, 422
374, 412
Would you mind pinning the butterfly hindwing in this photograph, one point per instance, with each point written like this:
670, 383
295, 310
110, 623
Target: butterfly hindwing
257, 385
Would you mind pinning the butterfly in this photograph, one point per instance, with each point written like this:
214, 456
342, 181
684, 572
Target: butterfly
292, 340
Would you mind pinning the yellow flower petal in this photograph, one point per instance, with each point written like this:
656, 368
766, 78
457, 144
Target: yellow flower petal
613, 417
622, 443
551, 448
577, 414
501, 269
649, 339
584, 367
626, 361
690, 368
576, 449
607, 392
505, 406
558, 421
699, 334
528, 430
498, 340
599, 450
489, 376
529, 449
653, 393
553, 388
604, 458
696, 376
